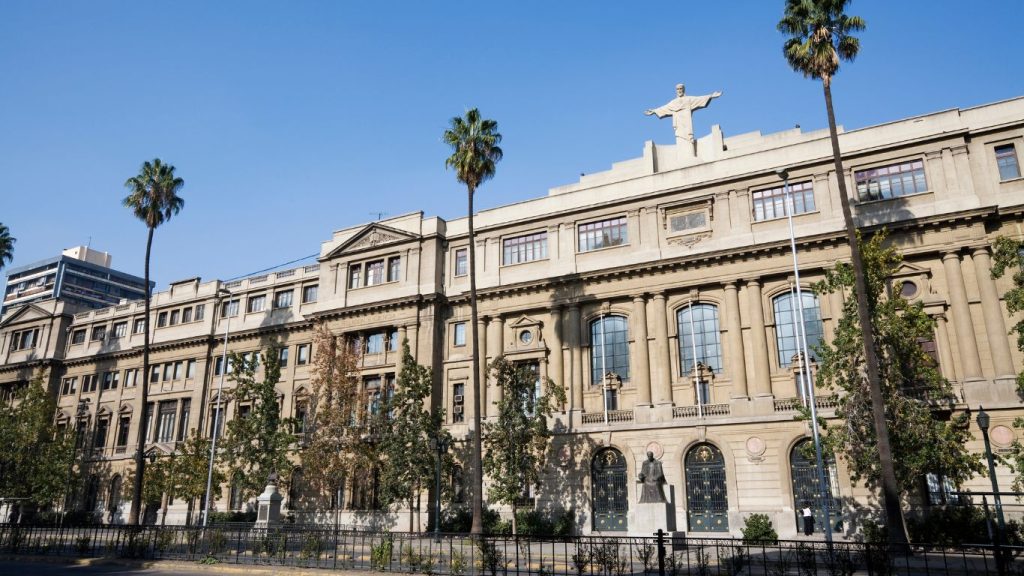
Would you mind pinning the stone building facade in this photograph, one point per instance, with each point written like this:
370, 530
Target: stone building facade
612, 287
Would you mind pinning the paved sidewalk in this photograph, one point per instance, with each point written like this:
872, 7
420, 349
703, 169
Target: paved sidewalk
52, 566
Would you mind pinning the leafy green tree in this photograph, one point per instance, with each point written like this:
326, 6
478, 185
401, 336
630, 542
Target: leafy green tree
405, 427
519, 441
1009, 255
335, 448
922, 441
35, 455
820, 37
258, 443
475, 152
191, 467
6, 246
153, 198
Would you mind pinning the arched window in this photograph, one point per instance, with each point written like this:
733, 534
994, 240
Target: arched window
609, 491
114, 497
786, 315
609, 349
698, 329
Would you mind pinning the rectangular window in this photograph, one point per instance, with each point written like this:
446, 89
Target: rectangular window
154, 374
120, 329
190, 370
200, 312
602, 234
24, 339
216, 420
941, 490
1006, 160
100, 437
99, 333
130, 377
309, 293
161, 320
89, 383
229, 309
175, 316
353, 275
179, 368
770, 204
110, 380
459, 331
525, 248
186, 315
394, 267
186, 408
302, 354
78, 336
283, 299
69, 386
169, 371
256, 303
893, 181
165, 424
688, 222
139, 326
375, 343
461, 261
124, 427
282, 357
374, 272
393, 340
458, 402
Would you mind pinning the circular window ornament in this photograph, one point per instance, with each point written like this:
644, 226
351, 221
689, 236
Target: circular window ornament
654, 448
908, 290
755, 446
1001, 436
526, 336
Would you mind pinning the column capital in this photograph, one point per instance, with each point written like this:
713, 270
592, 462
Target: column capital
730, 285
980, 251
639, 298
659, 295
950, 254
754, 282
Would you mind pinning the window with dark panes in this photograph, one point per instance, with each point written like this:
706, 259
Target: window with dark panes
186, 315
772, 203
283, 299
374, 272
525, 248
353, 275
394, 268
461, 261
99, 333
609, 349
309, 293
1006, 160
893, 181
602, 234
78, 336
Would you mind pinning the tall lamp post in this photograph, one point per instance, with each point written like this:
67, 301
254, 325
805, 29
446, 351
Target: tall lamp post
983, 423
805, 365
438, 444
221, 295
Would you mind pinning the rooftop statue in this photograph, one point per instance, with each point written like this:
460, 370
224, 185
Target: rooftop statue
681, 110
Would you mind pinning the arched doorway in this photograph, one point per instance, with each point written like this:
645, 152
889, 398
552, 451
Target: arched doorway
707, 497
609, 491
803, 469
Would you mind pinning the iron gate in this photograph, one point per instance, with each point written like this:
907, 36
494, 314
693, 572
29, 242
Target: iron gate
707, 498
610, 495
804, 473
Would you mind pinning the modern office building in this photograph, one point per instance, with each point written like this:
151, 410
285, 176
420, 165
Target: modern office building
671, 271
80, 276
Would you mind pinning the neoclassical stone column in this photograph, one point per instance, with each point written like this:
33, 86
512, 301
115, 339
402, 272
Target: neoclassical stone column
401, 339
662, 372
481, 327
945, 348
995, 327
572, 336
412, 333
758, 342
641, 353
962, 322
553, 337
495, 348
737, 365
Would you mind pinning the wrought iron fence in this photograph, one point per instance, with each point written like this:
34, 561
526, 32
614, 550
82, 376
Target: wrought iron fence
464, 555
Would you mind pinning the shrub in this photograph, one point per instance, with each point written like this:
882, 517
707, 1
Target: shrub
758, 529
226, 517
460, 520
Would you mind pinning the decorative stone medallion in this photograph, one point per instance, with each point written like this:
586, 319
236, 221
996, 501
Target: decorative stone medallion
1001, 436
656, 449
755, 448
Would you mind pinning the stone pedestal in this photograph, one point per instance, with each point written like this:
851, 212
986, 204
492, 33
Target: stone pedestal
647, 517
268, 507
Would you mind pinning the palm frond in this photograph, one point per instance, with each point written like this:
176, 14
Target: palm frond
153, 193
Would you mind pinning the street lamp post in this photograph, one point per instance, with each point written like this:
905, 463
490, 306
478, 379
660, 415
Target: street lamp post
805, 367
983, 424
221, 294
440, 445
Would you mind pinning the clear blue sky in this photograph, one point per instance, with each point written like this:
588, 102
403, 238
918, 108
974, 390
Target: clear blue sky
289, 120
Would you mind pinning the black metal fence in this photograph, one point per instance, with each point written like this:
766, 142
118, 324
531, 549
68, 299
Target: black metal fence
464, 555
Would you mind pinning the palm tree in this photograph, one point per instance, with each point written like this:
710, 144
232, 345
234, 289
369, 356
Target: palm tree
820, 36
6, 246
153, 198
474, 141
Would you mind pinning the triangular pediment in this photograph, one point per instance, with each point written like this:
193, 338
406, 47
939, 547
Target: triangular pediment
906, 269
523, 321
26, 313
370, 237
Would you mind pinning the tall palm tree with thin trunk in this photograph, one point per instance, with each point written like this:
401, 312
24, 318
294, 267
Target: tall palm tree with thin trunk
474, 141
6, 246
153, 198
820, 37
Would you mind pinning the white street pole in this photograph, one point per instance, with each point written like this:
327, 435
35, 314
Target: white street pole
696, 373
826, 501
216, 418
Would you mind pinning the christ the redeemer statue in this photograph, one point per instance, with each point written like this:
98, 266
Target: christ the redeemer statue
681, 110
